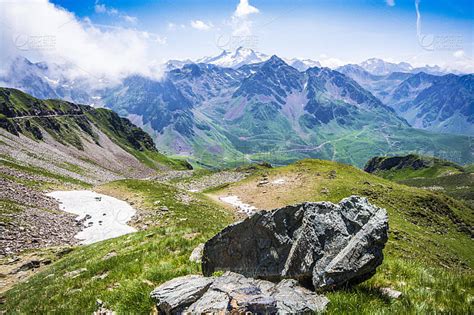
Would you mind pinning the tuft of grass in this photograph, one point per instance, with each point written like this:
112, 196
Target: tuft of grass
425, 290
9, 208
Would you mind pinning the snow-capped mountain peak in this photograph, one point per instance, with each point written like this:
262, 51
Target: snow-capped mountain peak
234, 59
302, 64
381, 67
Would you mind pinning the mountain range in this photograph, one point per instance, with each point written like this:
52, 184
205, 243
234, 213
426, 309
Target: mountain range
245, 56
270, 111
439, 103
245, 106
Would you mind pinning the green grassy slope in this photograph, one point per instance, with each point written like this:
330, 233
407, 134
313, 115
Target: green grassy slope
428, 257
428, 173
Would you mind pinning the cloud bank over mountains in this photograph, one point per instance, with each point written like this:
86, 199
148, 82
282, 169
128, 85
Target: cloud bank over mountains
42, 31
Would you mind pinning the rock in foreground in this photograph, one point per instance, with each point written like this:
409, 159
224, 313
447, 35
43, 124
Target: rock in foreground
321, 244
233, 292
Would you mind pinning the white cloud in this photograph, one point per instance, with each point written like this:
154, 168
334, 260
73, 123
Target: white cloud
173, 26
130, 19
244, 9
101, 8
241, 22
52, 34
331, 62
459, 53
390, 3
201, 25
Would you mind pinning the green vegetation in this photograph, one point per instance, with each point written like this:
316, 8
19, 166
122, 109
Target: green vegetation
429, 255
427, 173
425, 290
426, 226
469, 168
411, 166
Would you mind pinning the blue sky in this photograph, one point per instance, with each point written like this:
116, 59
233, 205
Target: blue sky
345, 30
128, 36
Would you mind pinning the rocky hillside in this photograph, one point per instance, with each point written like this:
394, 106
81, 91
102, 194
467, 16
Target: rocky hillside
428, 173
93, 142
414, 165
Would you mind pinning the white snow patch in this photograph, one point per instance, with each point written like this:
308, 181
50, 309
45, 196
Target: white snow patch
279, 181
237, 203
54, 82
108, 215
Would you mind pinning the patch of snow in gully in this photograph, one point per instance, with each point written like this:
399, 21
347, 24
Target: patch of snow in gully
241, 207
104, 217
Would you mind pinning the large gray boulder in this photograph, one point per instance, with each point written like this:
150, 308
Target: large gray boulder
234, 293
321, 244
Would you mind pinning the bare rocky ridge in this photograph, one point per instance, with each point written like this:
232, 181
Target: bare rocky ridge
322, 245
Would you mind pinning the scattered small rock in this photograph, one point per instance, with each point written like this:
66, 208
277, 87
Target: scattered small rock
391, 293
75, 273
196, 255
101, 276
32, 264
101, 309
109, 255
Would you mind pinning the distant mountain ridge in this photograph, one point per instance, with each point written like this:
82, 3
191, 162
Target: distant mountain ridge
437, 103
269, 110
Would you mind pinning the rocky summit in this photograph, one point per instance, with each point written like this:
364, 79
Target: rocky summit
233, 292
322, 245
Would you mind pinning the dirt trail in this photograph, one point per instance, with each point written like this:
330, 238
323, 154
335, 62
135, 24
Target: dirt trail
47, 116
